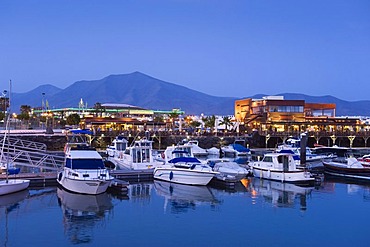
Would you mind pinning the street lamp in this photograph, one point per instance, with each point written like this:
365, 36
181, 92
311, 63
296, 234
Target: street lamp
4, 103
42, 109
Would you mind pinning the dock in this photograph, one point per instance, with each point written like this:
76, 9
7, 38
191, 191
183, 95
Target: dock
41, 179
133, 175
44, 179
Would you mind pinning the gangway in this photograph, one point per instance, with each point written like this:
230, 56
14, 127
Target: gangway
31, 154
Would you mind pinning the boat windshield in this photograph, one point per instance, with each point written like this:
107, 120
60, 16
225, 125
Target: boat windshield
85, 164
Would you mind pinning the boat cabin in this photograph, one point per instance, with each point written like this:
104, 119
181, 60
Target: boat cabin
141, 151
278, 161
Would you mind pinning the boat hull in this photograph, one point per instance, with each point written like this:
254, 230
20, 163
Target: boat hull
13, 185
183, 176
297, 177
340, 171
83, 186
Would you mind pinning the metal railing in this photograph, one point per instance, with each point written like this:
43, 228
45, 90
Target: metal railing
30, 154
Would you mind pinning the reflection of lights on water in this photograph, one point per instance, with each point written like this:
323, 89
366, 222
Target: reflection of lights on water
245, 182
254, 195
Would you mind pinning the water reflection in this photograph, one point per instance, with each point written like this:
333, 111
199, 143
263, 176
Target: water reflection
8, 204
353, 186
279, 194
81, 214
180, 198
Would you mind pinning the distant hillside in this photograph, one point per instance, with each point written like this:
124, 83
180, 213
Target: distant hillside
34, 97
134, 89
151, 93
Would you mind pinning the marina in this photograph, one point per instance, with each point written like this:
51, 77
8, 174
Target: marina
239, 204
159, 213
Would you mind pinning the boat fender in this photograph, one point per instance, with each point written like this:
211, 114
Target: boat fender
60, 176
192, 166
162, 155
268, 173
120, 155
171, 175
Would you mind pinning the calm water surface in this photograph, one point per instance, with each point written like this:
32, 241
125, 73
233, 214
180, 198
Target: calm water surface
256, 213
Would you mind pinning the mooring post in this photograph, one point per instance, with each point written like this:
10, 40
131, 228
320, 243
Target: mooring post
303, 149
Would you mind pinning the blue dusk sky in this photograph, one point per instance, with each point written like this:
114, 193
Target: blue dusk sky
222, 48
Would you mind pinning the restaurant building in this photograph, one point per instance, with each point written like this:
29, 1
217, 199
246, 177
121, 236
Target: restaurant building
275, 114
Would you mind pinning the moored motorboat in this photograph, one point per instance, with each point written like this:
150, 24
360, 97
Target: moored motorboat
235, 149
292, 146
280, 167
346, 167
365, 160
197, 151
117, 147
138, 156
227, 169
84, 171
180, 167
185, 171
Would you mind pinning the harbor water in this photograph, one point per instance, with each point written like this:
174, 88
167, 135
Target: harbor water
254, 213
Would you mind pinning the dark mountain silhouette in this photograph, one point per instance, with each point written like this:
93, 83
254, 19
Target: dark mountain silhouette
147, 92
34, 97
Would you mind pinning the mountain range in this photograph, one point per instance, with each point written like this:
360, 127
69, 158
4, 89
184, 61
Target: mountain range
144, 91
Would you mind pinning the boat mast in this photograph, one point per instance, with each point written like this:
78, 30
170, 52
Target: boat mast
8, 130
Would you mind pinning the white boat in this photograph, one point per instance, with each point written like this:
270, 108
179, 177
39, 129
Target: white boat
13, 185
365, 160
181, 167
168, 153
213, 151
117, 147
292, 146
9, 186
84, 171
280, 167
196, 150
227, 169
139, 156
235, 149
347, 167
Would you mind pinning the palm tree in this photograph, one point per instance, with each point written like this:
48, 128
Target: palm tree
25, 113
209, 122
227, 122
98, 109
173, 116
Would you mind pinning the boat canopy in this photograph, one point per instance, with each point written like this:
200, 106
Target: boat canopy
286, 151
83, 131
85, 164
184, 159
240, 148
179, 152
